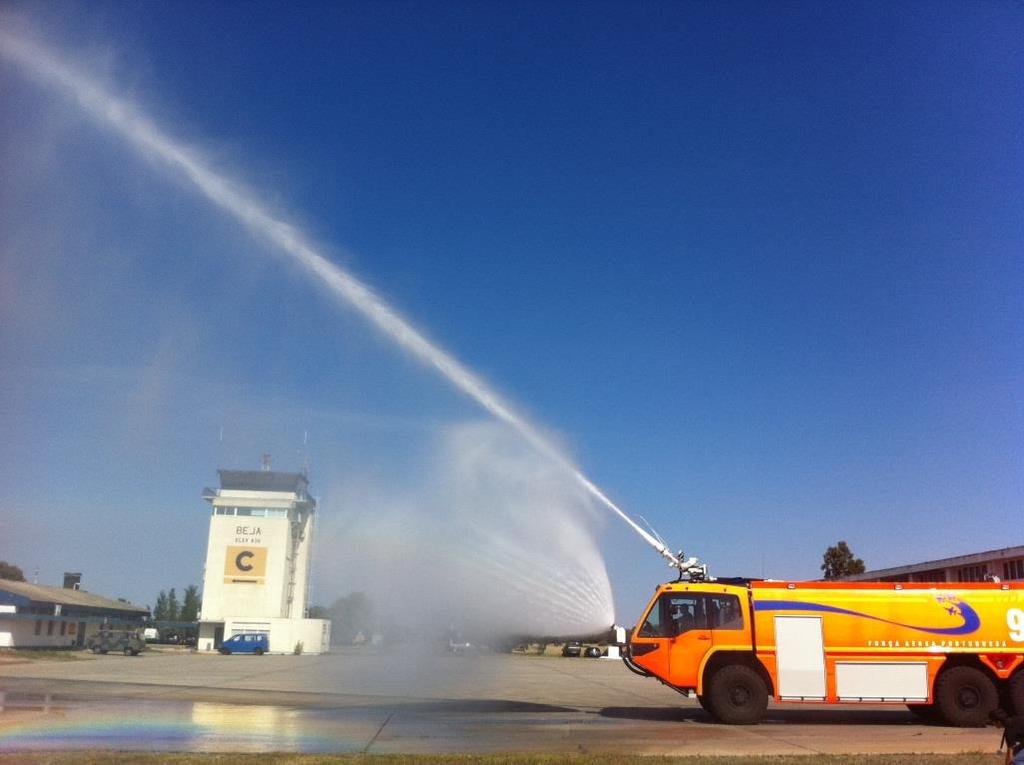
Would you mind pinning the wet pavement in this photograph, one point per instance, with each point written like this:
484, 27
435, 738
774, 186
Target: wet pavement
399, 703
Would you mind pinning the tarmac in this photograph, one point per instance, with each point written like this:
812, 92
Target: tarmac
403, 702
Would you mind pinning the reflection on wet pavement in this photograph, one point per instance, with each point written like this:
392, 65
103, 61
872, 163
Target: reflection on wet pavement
48, 721
52, 721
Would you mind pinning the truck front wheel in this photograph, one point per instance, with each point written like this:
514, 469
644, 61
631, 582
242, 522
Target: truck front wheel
737, 695
965, 696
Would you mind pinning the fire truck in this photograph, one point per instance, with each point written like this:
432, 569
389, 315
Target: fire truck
950, 652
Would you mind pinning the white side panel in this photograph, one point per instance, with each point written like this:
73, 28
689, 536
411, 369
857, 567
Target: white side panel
234, 627
886, 681
800, 655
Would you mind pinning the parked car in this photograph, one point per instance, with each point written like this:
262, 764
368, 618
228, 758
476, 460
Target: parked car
576, 648
246, 642
128, 642
178, 638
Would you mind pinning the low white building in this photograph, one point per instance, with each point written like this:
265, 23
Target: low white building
1007, 563
40, 616
257, 562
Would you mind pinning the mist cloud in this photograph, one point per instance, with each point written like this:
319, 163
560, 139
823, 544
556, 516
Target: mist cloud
494, 541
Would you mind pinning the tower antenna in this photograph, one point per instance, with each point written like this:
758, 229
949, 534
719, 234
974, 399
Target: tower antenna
305, 453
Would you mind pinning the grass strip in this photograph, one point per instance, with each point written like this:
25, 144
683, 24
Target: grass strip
19, 655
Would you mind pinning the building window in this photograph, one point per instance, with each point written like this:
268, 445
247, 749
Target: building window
63, 628
49, 628
1013, 569
253, 512
972, 573
39, 626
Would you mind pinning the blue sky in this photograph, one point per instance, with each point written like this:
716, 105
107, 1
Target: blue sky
759, 266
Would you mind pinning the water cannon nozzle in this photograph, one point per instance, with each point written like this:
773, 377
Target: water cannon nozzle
689, 568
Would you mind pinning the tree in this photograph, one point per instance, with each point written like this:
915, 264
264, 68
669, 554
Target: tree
191, 604
350, 615
160, 609
11, 572
173, 611
838, 562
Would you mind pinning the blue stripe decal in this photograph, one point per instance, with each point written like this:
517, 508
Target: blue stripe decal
952, 606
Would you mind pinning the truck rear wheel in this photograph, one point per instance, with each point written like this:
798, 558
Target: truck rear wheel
964, 697
1016, 691
737, 695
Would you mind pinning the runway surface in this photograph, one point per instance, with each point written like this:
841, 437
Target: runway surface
402, 702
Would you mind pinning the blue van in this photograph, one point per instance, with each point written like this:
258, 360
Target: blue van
246, 642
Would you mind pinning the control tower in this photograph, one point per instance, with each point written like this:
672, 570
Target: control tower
257, 562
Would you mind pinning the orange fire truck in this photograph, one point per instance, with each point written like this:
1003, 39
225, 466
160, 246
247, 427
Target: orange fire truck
950, 652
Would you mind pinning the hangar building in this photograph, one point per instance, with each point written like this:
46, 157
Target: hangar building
1006, 563
40, 616
257, 562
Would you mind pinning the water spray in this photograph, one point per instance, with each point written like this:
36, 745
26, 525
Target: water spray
243, 205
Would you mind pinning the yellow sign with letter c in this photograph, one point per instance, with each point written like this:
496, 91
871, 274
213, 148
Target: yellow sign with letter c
245, 564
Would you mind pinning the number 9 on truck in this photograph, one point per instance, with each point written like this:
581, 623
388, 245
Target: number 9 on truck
1015, 621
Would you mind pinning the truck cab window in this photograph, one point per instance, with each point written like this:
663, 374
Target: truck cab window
685, 612
724, 612
674, 614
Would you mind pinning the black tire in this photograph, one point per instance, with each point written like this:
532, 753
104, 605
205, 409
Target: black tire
103, 651
1015, 690
95, 649
965, 696
737, 695
703, 701
925, 712
258, 652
